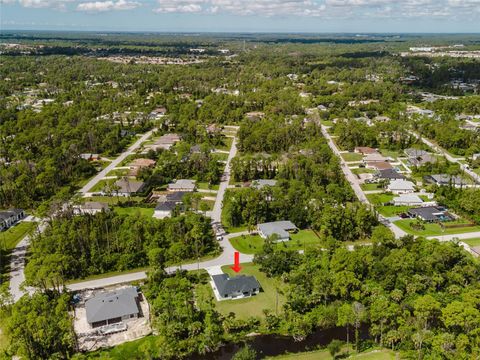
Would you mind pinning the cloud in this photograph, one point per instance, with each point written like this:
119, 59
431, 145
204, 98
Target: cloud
102, 6
179, 6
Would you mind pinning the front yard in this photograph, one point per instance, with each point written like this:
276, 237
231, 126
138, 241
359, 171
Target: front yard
253, 244
272, 290
351, 156
10, 238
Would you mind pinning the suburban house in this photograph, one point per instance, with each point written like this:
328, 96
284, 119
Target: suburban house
138, 164
255, 115
185, 185
167, 203
241, 286
401, 187
127, 187
365, 150
379, 165
389, 174
165, 142
418, 157
112, 307
261, 183
375, 157
281, 229
431, 214
91, 207
407, 200
90, 157
445, 180
10, 217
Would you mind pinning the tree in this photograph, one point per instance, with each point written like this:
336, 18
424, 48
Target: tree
245, 353
346, 318
334, 347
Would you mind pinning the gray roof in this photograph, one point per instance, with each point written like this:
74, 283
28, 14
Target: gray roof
261, 183
428, 213
129, 186
390, 174
238, 284
279, 228
110, 305
182, 184
6, 214
444, 179
166, 206
415, 152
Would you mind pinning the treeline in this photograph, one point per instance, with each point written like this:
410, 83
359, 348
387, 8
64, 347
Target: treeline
80, 246
399, 289
465, 201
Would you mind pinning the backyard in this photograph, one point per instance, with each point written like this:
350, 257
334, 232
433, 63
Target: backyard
270, 297
434, 229
10, 238
253, 244
148, 212
351, 156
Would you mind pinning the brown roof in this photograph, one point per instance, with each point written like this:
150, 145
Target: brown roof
380, 165
142, 163
365, 150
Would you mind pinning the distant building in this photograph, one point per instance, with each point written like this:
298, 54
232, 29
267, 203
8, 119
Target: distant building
281, 229
374, 157
10, 217
445, 180
91, 207
236, 287
90, 157
389, 174
418, 157
401, 187
407, 200
128, 187
182, 185
431, 214
165, 142
261, 183
112, 307
365, 150
167, 204
255, 115
380, 165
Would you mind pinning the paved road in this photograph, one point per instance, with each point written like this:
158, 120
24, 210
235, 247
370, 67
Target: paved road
354, 183
217, 207
102, 174
470, 235
17, 266
449, 157
225, 258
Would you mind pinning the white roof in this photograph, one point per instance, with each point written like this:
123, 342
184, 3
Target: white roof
401, 185
408, 199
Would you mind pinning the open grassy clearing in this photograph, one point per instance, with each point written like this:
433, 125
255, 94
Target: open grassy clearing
351, 156
382, 354
379, 199
113, 200
370, 187
207, 186
269, 298
134, 211
390, 210
472, 242
253, 244
363, 171
432, 229
227, 144
11, 237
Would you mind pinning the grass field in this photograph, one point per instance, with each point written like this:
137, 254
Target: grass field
114, 200
253, 244
369, 187
390, 210
472, 242
252, 306
325, 355
148, 212
432, 229
10, 238
379, 199
118, 172
205, 186
351, 156
363, 171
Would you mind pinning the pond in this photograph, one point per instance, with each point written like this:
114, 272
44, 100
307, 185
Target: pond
273, 345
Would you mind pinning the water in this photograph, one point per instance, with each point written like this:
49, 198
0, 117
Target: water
273, 345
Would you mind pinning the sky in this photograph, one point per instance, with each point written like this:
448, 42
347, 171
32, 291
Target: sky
350, 16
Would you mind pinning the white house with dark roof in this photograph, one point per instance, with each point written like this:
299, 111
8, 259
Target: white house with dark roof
401, 186
237, 287
261, 183
185, 185
10, 217
91, 207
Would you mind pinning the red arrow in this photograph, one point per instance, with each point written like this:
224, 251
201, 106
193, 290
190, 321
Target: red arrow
236, 267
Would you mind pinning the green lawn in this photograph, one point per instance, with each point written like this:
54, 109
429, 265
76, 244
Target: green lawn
210, 204
134, 211
433, 229
253, 244
206, 186
10, 238
472, 242
351, 156
390, 210
126, 351
220, 156
114, 200
363, 171
253, 306
99, 186
327, 122
369, 187
390, 153
379, 199
118, 172
325, 355
227, 144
